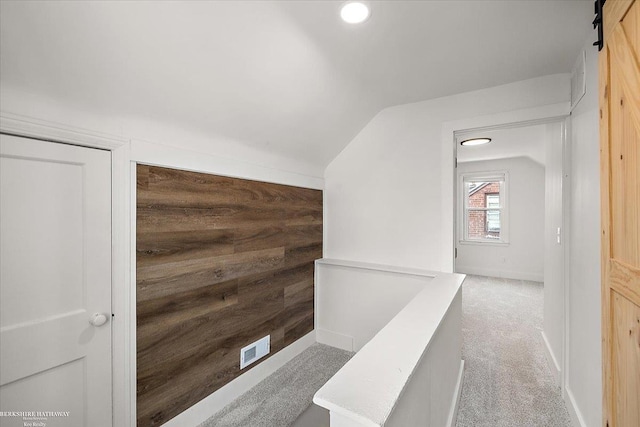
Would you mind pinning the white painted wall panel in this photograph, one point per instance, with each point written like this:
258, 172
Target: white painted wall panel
352, 305
554, 259
584, 382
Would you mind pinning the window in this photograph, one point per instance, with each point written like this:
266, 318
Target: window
484, 207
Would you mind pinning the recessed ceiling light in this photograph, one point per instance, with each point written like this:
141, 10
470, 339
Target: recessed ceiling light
475, 141
354, 12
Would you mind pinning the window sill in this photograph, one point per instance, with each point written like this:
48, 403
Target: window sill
482, 243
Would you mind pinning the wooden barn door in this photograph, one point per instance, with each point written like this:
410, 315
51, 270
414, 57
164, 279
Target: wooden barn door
620, 175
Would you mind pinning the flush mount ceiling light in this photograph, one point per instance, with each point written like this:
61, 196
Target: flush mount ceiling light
354, 12
475, 141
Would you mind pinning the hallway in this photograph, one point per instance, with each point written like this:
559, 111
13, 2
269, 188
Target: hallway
507, 381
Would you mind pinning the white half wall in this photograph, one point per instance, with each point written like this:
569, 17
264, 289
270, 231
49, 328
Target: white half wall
410, 372
584, 353
523, 257
388, 194
353, 303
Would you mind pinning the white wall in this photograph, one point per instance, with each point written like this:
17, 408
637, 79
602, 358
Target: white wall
16, 101
554, 252
583, 377
387, 199
523, 256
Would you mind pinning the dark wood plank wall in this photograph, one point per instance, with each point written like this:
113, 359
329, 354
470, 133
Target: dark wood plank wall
221, 262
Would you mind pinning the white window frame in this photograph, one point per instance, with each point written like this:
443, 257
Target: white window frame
503, 178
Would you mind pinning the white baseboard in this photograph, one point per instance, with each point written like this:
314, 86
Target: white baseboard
554, 366
455, 404
334, 339
213, 403
574, 413
493, 272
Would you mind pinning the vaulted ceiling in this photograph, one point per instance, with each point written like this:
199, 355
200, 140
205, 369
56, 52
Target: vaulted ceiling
287, 76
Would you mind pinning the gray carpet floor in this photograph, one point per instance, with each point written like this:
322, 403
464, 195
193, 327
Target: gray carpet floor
278, 400
507, 382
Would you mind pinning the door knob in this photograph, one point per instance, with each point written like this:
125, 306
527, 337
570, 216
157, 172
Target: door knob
98, 319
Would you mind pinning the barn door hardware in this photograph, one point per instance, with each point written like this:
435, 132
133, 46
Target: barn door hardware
597, 23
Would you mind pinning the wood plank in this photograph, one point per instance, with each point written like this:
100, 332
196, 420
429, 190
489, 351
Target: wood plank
298, 301
626, 361
221, 262
219, 216
631, 26
625, 279
626, 63
298, 292
302, 254
155, 247
625, 109
142, 179
185, 305
605, 221
613, 12
165, 279
171, 187
258, 238
294, 330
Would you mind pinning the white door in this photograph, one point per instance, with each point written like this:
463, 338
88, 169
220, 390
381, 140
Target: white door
55, 274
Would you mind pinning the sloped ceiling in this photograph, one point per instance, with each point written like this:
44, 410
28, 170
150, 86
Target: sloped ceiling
286, 76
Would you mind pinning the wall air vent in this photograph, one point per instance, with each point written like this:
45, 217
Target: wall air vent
255, 351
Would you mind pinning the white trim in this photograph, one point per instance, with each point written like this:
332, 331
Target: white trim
552, 362
511, 119
377, 267
122, 302
162, 155
334, 339
574, 413
506, 274
457, 394
502, 177
454, 128
16, 124
201, 411
131, 293
482, 243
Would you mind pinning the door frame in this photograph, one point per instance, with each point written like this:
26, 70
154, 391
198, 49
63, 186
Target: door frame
518, 118
122, 341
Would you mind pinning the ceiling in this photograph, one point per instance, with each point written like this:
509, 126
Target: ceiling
285, 76
524, 141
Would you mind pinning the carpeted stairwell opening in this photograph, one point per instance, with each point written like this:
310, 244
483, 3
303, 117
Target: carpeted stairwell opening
507, 382
281, 398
